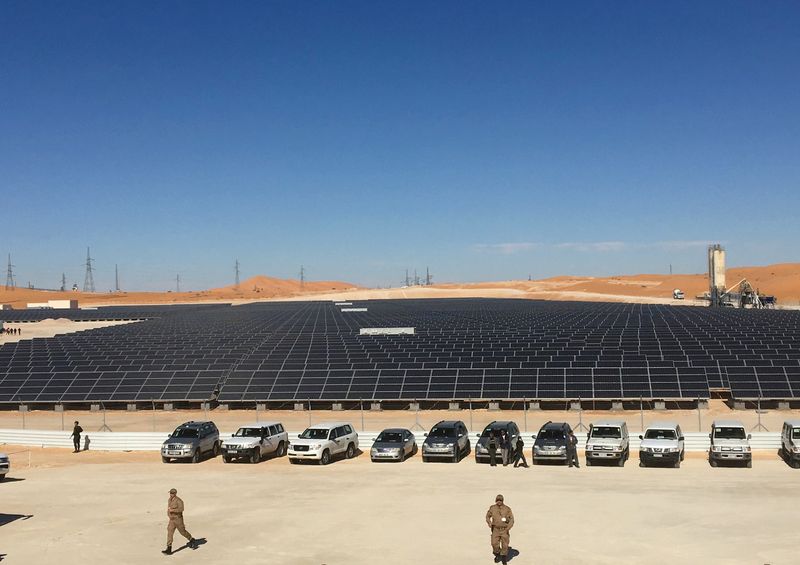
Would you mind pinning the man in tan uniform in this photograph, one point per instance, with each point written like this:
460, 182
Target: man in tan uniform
500, 520
175, 515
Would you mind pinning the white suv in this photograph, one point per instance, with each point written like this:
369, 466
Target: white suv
729, 442
608, 441
255, 441
790, 443
5, 466
662, 443
323, 442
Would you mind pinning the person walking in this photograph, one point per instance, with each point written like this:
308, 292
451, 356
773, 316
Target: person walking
175, 515
572, 450
491, 446
76, 436
519, 453
500, 520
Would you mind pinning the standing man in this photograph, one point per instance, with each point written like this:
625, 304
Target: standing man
519, 453
500, 520
76, 437
491, 445
504, 439
175, 515
572, 449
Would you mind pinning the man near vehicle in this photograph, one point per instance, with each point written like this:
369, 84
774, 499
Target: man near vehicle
500, 520
175, 515
572, 449
491, 446
76, 436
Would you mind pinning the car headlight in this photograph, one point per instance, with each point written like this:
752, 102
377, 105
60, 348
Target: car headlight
747, 448
315, 446
424, 447
616, 448
717, 448
796, 449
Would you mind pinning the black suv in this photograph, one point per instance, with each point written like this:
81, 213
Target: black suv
552, 443
190, 441
447, 440
512, 433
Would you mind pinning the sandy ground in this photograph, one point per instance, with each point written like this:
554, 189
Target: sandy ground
476, 420
110, 508
50, 328
781, 280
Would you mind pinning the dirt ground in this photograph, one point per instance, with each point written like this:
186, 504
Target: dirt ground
230, 420
51, 328
110, 508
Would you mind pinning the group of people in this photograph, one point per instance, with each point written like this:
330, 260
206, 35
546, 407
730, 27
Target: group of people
500, 441
12, 331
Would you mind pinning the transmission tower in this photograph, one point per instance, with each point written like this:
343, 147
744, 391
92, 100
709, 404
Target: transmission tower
236, 268
88, 282
302, 277
116, 278
63, 282
178, 282
10, 285
428, 277
416, 278
407, 281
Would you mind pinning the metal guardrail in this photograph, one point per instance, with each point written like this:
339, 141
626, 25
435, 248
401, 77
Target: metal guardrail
151, 441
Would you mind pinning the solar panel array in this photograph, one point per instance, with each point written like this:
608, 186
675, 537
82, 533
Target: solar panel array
462, 349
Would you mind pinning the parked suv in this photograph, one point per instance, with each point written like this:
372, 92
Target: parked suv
608, 441
190, 441
729, 442
447, 440
255, 441
662, 442
323, 442
790, 443
552, 443
5, 466
512, 433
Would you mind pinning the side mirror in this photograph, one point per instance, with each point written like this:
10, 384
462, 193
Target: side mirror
749, 436
298, 435
680, 438
709, 436
460, 435
232, 435
641, 437
425, 434
477, 435
533, 436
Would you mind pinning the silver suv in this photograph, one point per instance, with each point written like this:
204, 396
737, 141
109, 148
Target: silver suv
729, 442
608, 441
448, 439
254, 441
191, 441
790, 443
662, 443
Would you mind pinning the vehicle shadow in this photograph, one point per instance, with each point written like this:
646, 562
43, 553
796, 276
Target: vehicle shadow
8, 518
11, 480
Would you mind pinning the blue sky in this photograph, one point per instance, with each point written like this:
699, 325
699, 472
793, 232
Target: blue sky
487, 141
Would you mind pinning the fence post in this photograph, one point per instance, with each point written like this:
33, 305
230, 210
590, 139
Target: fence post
361, 403
525, 412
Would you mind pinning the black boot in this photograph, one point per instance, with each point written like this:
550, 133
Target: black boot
192, 543
167, 551
504, 559
497, 558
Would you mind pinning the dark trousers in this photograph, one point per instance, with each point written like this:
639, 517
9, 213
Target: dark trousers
520, 455
76, 441
573, 458
492, 457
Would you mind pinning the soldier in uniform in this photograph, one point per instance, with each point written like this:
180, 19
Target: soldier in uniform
175, 514
500, 520
76, 436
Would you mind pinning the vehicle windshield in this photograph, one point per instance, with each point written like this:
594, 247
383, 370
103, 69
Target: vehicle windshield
248, 432
550, 434
610, 432
729, 433
391, 437
185, 432
796, 433
442, 432
489, 429
659, 434
314, 433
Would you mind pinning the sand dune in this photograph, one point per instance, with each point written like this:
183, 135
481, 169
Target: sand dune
781, 280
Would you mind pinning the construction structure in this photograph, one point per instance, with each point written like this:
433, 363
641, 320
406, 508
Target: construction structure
88, 281
740, 295
716, 274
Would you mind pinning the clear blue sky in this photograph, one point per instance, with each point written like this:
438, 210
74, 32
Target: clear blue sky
488, 141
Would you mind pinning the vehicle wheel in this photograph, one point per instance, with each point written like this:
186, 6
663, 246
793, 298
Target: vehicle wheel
165, 459
795, 464
293, 461
196, 456
713, 462
351, 451
750, 464
414, 449
589, 462
456, 455
621, 461
677, 464
683, 453
281, 451
216, 449
255, 457
425, 459
326, 458
641, 463
226, 458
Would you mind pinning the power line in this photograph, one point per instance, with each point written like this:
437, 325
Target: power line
88, 281
10, 285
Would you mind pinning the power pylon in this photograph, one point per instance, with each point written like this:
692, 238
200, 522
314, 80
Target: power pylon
10, 284
63, 282
428, 277
407, 281
88, 281
178, 282
302, 277
116, 278
236, 268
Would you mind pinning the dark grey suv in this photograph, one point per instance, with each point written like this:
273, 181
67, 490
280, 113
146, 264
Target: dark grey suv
552, 443
191, 441
512, 433
447, 440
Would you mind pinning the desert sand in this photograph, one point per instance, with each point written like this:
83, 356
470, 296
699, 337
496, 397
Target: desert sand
780, 280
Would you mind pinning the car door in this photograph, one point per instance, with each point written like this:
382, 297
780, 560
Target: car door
336, 440
281, 436
408, 443
271, 443
204, 434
